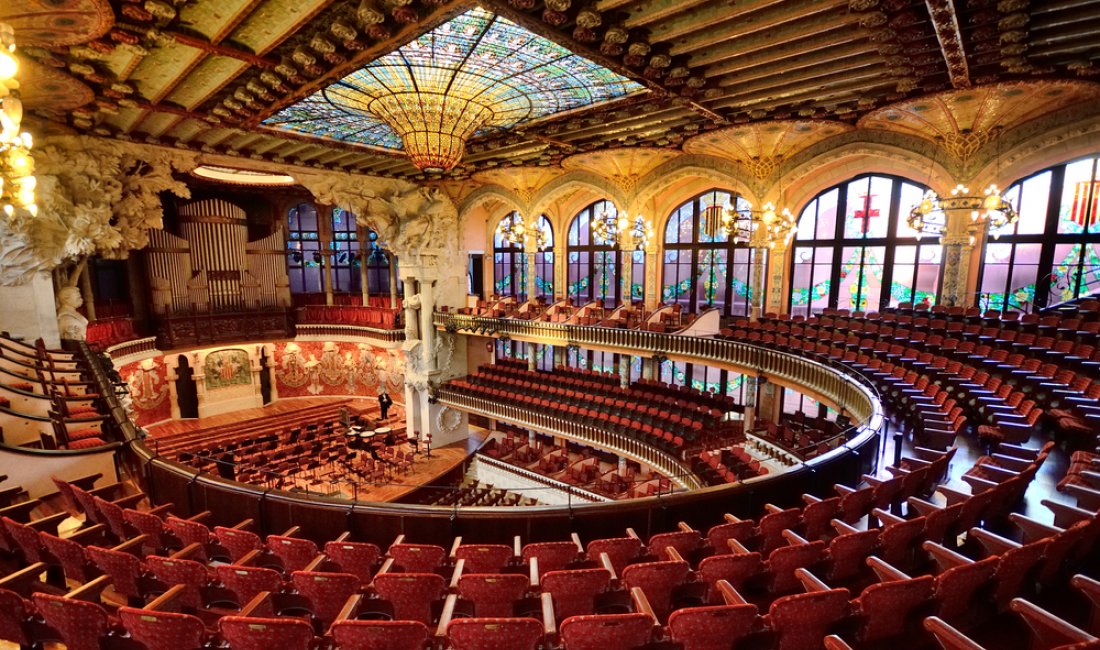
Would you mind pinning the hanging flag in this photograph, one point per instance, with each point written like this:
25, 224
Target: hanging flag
1086, 202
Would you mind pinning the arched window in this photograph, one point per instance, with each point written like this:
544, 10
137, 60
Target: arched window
509, 264
304, 257
1052, 253
869, 257
378, 266
701, 271
345, 253
593, 267
544, 261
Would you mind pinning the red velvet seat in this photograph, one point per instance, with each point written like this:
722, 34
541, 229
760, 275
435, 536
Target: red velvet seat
244, 633
494, 633
158, 630
380, 635
326, 592
574, 592
712, 628
411, 594
606, 632
493, 595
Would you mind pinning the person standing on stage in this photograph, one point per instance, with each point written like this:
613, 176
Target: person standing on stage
384, 403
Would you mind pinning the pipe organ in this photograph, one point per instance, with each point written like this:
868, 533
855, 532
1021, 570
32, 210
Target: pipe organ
212, 266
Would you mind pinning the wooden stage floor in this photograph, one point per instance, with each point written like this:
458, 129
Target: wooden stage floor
424, 470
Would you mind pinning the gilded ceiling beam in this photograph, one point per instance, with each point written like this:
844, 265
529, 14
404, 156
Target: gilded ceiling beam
220, 50
945, 19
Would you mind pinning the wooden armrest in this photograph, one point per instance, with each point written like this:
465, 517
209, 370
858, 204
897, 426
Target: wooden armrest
445, 617
344, 536
248, 558
400, 539
165, 600
90, 535
1017, 451
641, 603
871, 480
49, 524
949, 637
457, 575
885, 571
1048, 629
809, 581
834, 642
793, 538
86, 482
186, 551
386, 567
843, 528
244, 525
106, 491
1011, 463
952, 495
992, 543
257, 606
923, 506
737, 547
517, 547
979, 485
673, 554
729, 594
90, 591
1087, 586
577, 541
199, 517
291, 532
1065, 515
549, 622
132, 546
1004, 473
771, 509
1087, 497
454, 546
887, 518
683, 526
1031, 528
15, 581
20, 512
843, 490
317, 561
630, 533
730, 519
810, 499
533, 573
605, 561
350, 609
945, 557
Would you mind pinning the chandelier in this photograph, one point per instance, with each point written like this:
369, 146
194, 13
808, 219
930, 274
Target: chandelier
514, 230
613, 227
760, 228
930, 216
17, 181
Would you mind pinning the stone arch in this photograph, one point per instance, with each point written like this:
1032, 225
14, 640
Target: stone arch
715, 172
486, 193
572, 182
1040, 146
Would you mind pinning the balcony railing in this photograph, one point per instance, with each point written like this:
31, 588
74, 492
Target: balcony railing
581, 494
623, 445
837, 386
350, 331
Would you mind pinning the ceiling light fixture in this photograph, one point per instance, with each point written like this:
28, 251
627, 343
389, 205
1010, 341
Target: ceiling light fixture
17, 181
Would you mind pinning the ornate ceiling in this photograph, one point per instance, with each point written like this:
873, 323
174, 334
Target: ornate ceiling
204, 74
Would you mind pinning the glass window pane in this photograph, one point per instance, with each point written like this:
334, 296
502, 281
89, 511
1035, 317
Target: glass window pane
807, 221
1078, 197
826, 214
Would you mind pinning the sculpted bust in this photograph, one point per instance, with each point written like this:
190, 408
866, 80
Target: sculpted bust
72, 323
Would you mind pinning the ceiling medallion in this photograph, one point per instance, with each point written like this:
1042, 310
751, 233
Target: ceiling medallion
474, 74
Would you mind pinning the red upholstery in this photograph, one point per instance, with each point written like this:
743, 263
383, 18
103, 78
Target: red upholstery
163, 630
190, 573
848, 552
13, 615
801, 620
685, 542
72, 556
574, 592
493, 595
146, 524
411, 594
657, 580
718, 536
27, 538
238, 542
783, 562
734, 568
123, 568
266, 633
327, 592
607, 632
552, 556
484, 558
380, 635
494, 633
885, 606
112, 516
246, 581
711, 628
956, 586
620, 550
417, 558
78, 623
190, 532
359, 558
295, 553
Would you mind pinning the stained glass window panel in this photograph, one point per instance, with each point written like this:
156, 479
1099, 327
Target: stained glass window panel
826, 214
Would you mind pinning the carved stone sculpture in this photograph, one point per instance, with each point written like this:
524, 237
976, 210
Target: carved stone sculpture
72, 323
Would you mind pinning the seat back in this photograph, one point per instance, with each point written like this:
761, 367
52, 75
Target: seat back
494, 633
245, 633
685, 543
885, 606
801, 620
71, 555
657, 580
158, 630
783, 562
955, 587
173, 571
78, 623
417, 558
123, 568
380, 635
26, 538
13, 613
359, 558
238, 542
849, 551
247, 581
735, 568
574, 592
327, 592
146, 524
606, 632
411, 594
711, 628
296, 553
484, 558
493, 595
620, 550
552, 556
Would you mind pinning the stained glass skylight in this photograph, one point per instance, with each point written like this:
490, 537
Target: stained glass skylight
473, 74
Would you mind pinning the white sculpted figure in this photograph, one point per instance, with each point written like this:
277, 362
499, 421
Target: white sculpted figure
72, 323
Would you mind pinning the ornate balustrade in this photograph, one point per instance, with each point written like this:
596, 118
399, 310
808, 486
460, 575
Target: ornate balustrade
329, 331
836, 386
620, 444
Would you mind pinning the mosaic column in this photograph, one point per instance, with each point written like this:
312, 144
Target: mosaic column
759, 253
559, 356
624, 370
750, 403
532, 356
776, 266
364, 283
531, 276
561, 270
652, 285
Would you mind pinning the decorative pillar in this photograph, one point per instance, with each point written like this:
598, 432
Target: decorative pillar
777, 267
393, 280
649, 368
531, 275
622, 465
411, 321
427, 330
758, 256
364, 282
626, 272
652, 290
750, 402
624, 370
532, 354
326, 262
86, 291
561, 269
559, 356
